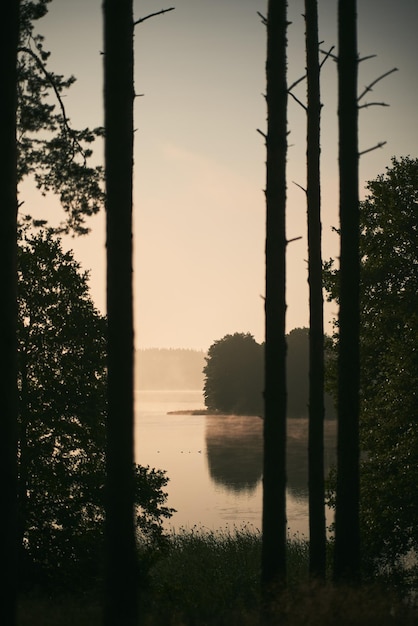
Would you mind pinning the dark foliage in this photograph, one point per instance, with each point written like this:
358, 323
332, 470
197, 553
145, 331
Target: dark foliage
49, 148
8, 309
234, 375
62, 417
389, 365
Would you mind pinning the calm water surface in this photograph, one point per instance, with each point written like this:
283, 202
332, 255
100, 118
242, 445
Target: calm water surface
215, 463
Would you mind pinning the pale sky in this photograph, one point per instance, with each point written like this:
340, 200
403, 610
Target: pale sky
199, 207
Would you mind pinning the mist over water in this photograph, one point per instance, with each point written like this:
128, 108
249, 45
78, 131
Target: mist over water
214, 463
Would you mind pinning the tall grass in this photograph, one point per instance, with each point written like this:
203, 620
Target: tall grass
206, 578
205, 573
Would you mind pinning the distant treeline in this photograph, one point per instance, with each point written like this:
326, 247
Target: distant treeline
298, 375
234, 378
176, 368
169, 368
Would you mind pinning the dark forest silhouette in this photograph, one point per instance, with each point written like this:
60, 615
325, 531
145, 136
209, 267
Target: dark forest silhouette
37, 139
234, 376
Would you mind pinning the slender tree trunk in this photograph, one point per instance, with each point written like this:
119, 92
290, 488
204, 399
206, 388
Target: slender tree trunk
317, 528
8, 310
347, 530
121, 563
273, 566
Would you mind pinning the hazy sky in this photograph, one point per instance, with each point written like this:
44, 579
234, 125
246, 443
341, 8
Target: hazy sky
199, 208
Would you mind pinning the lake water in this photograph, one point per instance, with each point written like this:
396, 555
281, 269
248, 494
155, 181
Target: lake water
214, 463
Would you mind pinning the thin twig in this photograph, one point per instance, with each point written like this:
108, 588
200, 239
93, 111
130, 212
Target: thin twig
48, 76
299, 80
370, 56
263, 18
147, 17
298, 101
300, 186
373, 83
378, 145
373, 104
293, 239
326, 57
328, 54
261, 133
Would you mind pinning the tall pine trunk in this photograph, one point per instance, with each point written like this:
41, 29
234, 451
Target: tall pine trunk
274, 526
121, 563
347, 529
8, 310
317, 528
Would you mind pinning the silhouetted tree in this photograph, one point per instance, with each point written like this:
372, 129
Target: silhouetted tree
347, 528
388, 313
62, 376
45, 146
274, 527
234, 375
62, 407
8, 309
121, 568
317, 530
50, 150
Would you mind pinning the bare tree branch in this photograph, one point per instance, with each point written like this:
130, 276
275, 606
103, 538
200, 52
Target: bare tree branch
263, 18
370, 56
300, 186
327, 55
299, 80
293, 239
297, 100
373, 83
77, 147
378, 145
261, 133
373, 104
147, 17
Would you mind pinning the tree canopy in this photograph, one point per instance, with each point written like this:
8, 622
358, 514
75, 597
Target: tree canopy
62, 392
234, 375
57, 155
388, 426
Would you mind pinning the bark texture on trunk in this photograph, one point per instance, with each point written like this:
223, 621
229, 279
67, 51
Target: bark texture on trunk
317, 527
274, 521
121, 563
8, 310
347, 527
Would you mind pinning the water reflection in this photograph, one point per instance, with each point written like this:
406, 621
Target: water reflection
214, 464
297, 453
234, 449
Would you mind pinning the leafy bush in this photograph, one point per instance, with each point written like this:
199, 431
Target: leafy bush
62, 423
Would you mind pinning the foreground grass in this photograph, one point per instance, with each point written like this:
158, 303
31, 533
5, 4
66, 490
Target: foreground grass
204, 578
